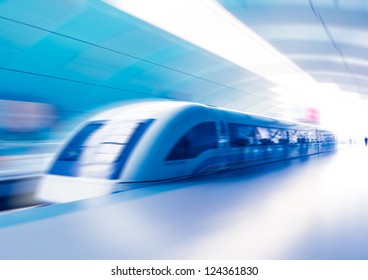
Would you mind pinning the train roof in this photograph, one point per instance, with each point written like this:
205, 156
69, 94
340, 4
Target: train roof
145, 109
266, 121
155, 108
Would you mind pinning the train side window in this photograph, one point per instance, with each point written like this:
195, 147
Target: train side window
271, 135
278, 136
293, 136
326, 136
299, 136
283, 136
241, 135
198, 139
312, 136
302, 136
265, 135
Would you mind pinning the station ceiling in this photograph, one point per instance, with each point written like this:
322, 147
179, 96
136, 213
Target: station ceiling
325, 38
83, 55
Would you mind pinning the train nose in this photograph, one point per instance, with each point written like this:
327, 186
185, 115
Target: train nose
59, 189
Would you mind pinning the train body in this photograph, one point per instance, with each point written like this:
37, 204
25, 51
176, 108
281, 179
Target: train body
162, 140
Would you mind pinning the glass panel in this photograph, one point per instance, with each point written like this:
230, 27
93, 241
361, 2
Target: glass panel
298, 136
293, 136
264, 135
200, 138
241, 135
97, 149
326, 136
75, 148
113, 141
312, 136
283, 136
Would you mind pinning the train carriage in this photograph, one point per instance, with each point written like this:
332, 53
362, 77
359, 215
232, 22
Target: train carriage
164, 140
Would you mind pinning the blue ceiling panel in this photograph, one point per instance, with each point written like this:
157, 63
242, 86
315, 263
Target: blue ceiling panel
82, 55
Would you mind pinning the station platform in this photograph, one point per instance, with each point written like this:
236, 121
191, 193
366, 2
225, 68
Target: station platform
308, 208
20, 160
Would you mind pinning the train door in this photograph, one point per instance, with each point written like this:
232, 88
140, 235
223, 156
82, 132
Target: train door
264, 147
293, 144
313, 141
222, 153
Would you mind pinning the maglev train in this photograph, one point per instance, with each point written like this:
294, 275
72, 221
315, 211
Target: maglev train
155, 141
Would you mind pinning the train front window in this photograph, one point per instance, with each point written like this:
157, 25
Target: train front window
106, 144
100, 149
74, 149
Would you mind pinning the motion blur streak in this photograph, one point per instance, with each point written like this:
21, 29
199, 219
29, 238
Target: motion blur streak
25, 117
304, 209
25, 137
207, 24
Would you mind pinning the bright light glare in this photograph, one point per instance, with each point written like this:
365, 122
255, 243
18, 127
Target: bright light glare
344, 112
208, 25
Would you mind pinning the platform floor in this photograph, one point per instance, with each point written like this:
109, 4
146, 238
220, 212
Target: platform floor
310, 208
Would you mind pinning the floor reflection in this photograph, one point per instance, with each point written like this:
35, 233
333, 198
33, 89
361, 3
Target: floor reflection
314, 208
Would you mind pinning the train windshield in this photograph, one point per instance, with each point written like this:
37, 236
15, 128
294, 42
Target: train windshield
100, 149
